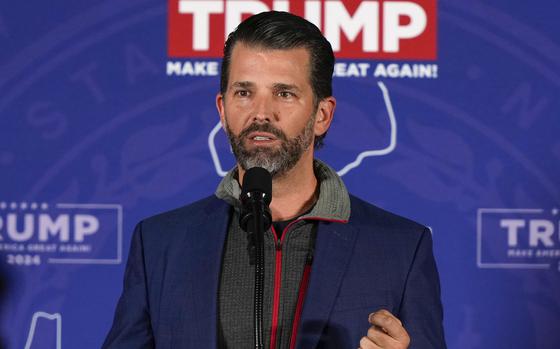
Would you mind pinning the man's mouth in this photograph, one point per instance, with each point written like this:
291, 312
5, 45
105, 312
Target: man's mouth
261, 137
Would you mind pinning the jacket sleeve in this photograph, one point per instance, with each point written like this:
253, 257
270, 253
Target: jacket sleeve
131, 325
421, 310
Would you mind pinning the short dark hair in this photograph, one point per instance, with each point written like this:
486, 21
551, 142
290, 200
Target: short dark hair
280, 31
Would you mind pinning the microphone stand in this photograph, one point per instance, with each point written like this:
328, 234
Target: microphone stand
258, 230
256, 218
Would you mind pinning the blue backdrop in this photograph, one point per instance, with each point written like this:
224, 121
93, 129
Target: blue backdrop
96, 134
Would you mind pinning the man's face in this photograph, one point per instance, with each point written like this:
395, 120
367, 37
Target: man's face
268, 110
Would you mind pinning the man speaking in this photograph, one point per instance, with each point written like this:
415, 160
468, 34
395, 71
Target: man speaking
339, 272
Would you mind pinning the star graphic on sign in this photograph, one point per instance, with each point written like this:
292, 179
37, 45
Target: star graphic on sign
555, 211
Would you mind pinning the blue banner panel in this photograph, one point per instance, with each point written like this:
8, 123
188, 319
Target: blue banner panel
447, 113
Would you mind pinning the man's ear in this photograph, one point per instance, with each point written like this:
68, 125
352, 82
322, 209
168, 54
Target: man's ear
324, 115
220, 107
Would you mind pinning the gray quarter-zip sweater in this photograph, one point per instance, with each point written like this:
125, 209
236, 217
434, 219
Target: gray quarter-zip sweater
285, 262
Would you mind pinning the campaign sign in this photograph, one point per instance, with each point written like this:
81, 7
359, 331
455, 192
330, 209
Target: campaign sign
396, 30
34, 234
518, 238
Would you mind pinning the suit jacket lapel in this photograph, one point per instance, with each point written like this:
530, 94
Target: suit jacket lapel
333, 250
206, 266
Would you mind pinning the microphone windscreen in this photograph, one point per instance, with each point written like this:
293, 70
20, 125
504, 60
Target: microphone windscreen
257, 179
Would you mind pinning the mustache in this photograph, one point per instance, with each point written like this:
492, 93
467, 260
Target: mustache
268, 128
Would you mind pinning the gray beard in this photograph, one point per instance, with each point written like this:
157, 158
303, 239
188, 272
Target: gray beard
277, 161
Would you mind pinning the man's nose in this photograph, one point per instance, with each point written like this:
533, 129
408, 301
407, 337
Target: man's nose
263, 109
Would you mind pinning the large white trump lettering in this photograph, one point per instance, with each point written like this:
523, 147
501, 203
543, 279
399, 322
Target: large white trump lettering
22, 228
541, 231
367, 19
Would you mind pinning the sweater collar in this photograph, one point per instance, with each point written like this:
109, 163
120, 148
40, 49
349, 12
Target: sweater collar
333, 202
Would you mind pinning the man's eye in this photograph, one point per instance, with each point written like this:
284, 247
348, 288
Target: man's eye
285, 94
242, 93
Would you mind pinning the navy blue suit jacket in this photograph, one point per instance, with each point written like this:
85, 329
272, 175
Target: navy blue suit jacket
376, 260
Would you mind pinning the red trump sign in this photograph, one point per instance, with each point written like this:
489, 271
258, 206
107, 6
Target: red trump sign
382, 29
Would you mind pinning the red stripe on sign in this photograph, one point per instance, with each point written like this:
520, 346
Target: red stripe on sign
357, 29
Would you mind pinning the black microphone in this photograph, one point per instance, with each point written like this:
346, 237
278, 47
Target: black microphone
255, 219
255, 197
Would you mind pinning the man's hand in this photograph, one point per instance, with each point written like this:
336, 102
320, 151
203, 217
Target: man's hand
386, 332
